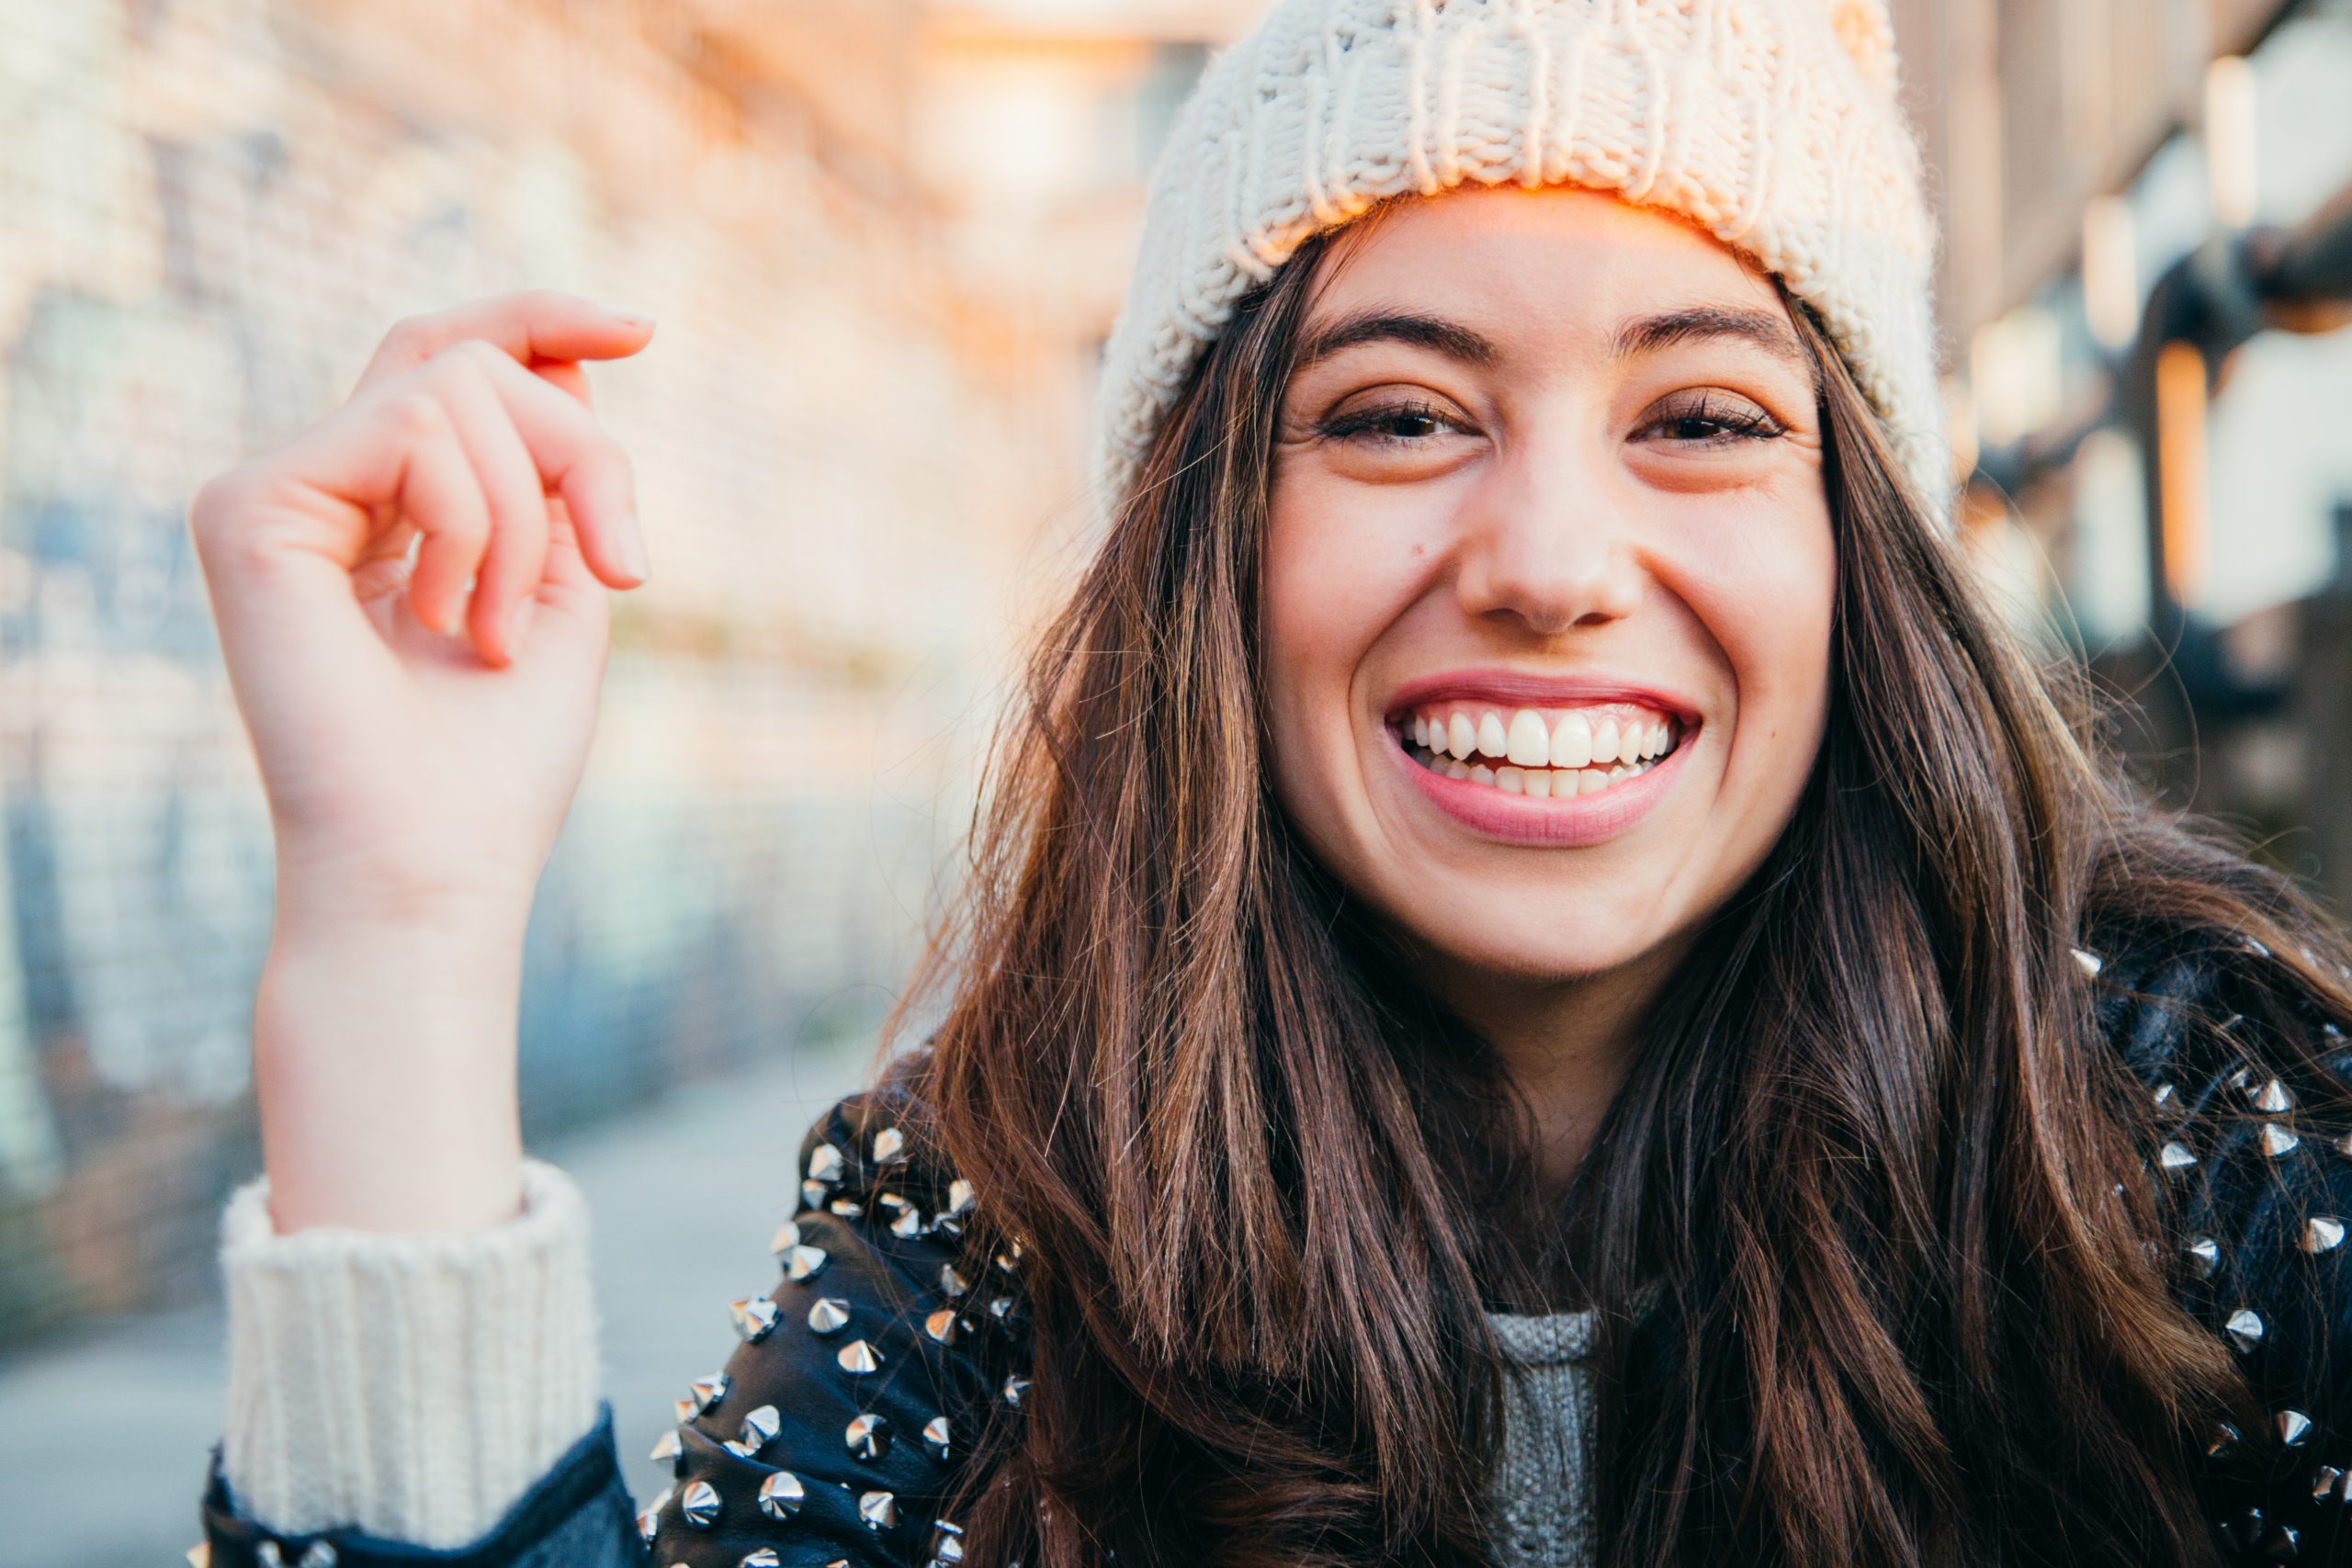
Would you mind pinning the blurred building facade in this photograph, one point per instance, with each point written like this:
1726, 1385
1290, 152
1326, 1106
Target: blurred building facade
884, 239
852, 455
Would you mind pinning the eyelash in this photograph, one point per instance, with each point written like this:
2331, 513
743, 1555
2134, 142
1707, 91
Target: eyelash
1748, 424
1349, 425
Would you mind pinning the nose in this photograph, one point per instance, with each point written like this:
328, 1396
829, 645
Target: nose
1545, 542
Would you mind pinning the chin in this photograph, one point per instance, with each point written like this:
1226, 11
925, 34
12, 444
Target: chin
1549, 936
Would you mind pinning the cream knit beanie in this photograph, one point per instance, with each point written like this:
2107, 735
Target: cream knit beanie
1770, 123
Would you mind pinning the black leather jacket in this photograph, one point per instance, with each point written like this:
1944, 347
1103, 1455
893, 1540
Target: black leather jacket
839, 1429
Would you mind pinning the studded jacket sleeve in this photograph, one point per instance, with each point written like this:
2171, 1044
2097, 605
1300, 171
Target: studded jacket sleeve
840, 1430
2255, 1157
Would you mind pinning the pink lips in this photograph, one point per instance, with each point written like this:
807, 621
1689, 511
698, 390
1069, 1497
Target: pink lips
1526, 819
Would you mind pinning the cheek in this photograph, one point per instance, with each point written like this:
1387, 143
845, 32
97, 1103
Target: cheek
1336, 578
1769, 599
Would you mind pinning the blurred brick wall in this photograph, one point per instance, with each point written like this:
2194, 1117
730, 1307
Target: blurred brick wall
209, 212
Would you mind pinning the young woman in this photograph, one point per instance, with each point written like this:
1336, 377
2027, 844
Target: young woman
1542, 984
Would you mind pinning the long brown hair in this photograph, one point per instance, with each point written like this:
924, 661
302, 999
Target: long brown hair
1910, 1306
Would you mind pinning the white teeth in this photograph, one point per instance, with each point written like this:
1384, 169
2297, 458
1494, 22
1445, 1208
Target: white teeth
1526, 743
1578, 757
1572, 742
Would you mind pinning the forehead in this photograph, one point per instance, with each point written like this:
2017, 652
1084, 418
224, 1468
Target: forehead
1555, 256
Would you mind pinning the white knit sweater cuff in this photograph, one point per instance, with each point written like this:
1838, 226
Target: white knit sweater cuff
413, 1385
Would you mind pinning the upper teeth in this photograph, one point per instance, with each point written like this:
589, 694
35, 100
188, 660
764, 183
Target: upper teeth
1529, 737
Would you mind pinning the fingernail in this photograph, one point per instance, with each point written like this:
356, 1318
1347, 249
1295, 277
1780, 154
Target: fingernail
633, 559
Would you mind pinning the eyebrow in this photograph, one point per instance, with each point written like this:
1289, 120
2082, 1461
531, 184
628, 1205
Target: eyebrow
1644, 335
1647, 334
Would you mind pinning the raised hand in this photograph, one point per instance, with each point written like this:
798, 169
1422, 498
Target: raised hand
412, 603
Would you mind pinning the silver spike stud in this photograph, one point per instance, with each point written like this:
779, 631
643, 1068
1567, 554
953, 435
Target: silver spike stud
2327, 1485
671, 1447
760, 1428
2224, 1442
937, 1439
200, 1555
2344, 1145
2251, 945
787, 1237
2278, 1140
2166, 1095
698, 1504
2204, 1255
847, 1208
941, 1326
1015, 1389
826, 1164
2293, 1427
781, 1495
2280, 1542
2176, 1156
946, 1541
859, 1357
812, 1194
707, 1391
953, 1284
2244, 1328
318, 1554
908, 1224
266, 1552
803, 1262
649, 1520
868, 1437
760, 1557
960, 1198
829, 1314
754, 1318
890, 1146
683, 1410
878, 1510
2322, 1233
2091, 962
2272, 1096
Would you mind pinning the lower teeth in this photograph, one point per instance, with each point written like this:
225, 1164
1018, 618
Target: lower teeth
1557, 783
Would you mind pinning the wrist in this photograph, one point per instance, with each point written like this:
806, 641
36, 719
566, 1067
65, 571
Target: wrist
384, 1057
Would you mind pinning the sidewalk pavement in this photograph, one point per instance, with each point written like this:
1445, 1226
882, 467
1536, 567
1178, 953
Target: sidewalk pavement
105, 1435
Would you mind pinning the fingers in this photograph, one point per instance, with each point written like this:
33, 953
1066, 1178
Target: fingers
536, 324
516, 552
470, 451
439, 492
577, 458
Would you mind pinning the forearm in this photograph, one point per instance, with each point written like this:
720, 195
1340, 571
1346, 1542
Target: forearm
384, 1052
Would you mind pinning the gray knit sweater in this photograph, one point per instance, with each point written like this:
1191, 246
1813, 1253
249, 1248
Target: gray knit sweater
1539, 1497
457, 1369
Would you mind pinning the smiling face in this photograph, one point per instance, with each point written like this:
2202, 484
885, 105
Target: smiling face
1548, 580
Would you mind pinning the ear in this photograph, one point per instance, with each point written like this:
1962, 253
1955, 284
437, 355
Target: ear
1868, 35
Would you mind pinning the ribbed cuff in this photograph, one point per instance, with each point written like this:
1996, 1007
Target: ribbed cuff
411, 1385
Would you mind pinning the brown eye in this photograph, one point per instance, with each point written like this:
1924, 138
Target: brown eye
1710, 418
1391, 424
